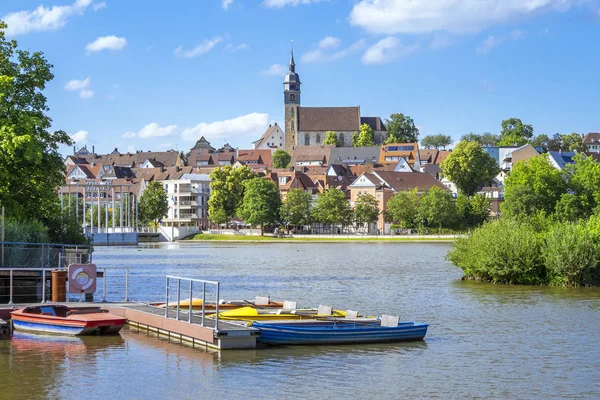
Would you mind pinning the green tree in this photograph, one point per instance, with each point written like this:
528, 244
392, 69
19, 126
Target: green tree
332, 208
226, 192
515, 133
533, 186
436, 141
261, 202
153, 203
401, 129
472, 212
542, 141
281, 159
437, 208
485, 140
366, 209
573, 142
365, 138
331, 138
468, 165
403, 209
32, 168
296, 207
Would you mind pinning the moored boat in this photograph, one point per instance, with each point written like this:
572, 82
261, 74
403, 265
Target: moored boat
339, 331
63, 320
258, 314
223, 304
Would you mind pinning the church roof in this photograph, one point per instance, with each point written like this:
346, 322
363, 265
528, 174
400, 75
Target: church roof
328, 119
374, 122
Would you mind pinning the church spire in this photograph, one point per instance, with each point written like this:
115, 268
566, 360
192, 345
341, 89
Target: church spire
292, 63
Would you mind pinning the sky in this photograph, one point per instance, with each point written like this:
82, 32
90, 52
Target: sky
157, 75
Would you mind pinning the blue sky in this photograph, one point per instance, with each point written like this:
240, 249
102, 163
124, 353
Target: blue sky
141, 75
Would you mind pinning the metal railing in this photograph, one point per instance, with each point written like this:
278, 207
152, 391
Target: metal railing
42, 255
191, 281
104, 278
11, 280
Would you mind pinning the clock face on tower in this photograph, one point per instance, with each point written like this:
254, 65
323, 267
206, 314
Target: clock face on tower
292, 97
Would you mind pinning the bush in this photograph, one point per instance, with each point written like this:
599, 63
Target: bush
571, 254
25, 231
502, 251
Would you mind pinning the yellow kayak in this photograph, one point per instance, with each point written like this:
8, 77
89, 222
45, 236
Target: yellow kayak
258, 314
224, 305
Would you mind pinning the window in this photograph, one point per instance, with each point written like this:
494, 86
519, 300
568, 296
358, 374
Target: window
282, 180
341, 140
399, 148
318, 138
306, 139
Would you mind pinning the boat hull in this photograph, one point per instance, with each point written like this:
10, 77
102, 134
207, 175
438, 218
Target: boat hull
67, 321
291, 334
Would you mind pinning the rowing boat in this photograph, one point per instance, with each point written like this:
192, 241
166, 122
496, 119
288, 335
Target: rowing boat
339, 331
259, 314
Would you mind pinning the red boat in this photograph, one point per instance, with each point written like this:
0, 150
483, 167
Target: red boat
63, 320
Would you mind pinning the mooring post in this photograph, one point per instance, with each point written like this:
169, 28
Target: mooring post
191, 301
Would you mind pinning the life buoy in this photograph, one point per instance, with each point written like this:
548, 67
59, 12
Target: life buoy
82, 278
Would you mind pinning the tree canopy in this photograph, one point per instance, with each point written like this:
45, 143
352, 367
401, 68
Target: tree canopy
366, 209
261, 202
364, 138
227, 192
281, 159
332, 207
515, 133
403, 209
32, 168
296, 207
437, 208
401, 129
153, 203
436, 141
468, 165
485, 140
331, 138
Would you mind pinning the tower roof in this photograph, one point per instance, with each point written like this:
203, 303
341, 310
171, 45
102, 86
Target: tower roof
292, 76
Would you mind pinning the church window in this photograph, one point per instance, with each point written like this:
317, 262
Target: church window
306, 139
318, 138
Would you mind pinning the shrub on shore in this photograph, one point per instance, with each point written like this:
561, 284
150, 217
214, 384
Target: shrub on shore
519, 252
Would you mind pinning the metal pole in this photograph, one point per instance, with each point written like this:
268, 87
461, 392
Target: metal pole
106, 208
77, 203
137, 208
92, 214
10, 299
43, 285
121, 210
191, 301
127, 284
84, 216
99, 215
167, 299
3, 236
69, 194
104, 286
114, 222
217, 309
178, 297
203, 302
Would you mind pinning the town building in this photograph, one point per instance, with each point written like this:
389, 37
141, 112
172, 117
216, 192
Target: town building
273, 138
188, 205
592, 141
306, 126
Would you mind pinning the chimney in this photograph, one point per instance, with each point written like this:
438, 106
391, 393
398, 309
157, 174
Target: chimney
275, 124
94, 151
74, 151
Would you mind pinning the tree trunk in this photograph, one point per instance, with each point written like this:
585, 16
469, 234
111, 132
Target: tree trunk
261, 229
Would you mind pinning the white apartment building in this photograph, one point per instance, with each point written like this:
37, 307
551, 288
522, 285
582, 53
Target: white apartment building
188, 201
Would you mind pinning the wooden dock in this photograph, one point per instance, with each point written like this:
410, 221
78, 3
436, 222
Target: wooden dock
142, 316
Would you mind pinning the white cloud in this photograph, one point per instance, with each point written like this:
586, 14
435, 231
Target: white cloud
274, 70
86, 94
441, 42
43, 18
106, 43
489, 44
232, 48
202, 48
455, 16
283, 3
80, 137
226, 3
99, 6
152, 130
327, 50
235, 130
77, 84
386, 50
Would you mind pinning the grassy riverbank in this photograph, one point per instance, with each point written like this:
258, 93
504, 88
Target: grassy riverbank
202, 237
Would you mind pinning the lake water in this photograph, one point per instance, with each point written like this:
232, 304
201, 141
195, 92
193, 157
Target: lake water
484, 341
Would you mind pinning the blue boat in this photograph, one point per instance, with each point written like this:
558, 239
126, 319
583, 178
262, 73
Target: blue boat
338, 331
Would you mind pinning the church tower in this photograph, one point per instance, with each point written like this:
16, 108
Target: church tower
291, 99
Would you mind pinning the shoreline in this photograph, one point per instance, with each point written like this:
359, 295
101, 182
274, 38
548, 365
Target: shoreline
367, 239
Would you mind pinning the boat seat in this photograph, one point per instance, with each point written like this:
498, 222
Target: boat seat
289, 305
389, 320
262, 301
48, 311
351, 314
324, 310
